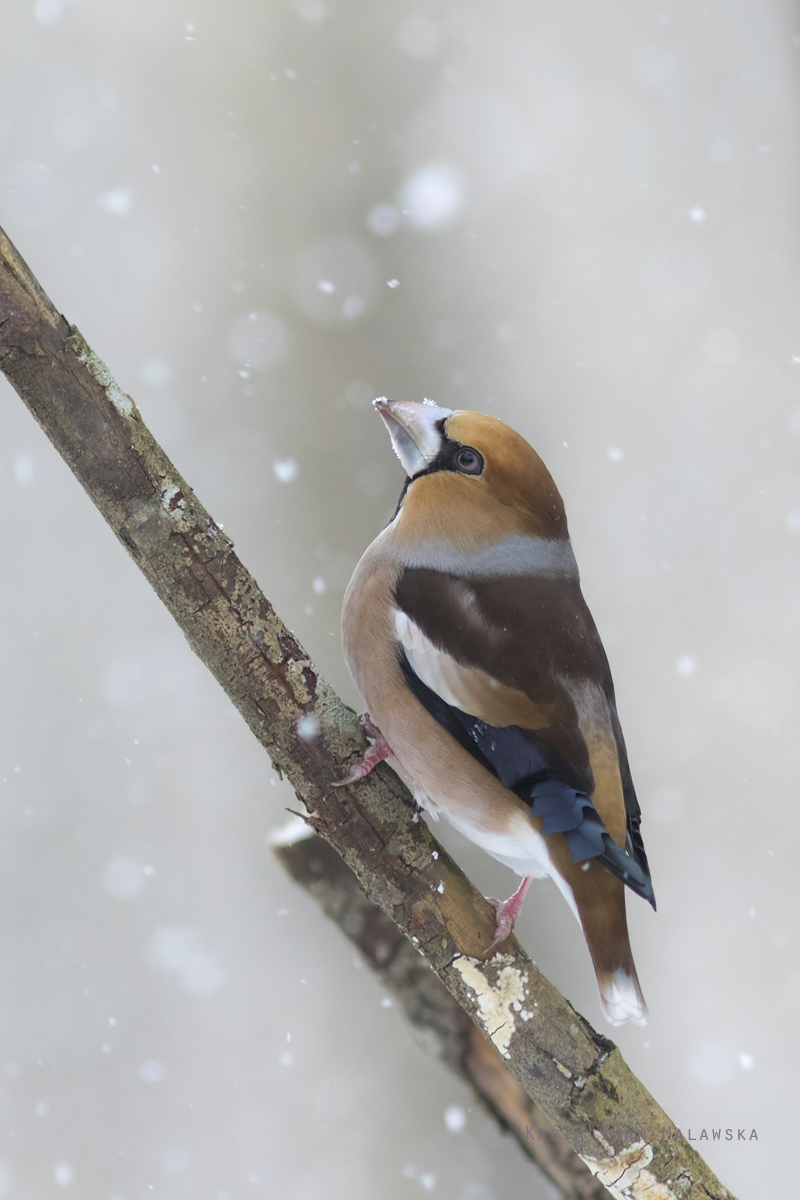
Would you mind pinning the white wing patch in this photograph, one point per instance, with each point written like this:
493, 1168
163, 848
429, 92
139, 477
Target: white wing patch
433, 666
424, 658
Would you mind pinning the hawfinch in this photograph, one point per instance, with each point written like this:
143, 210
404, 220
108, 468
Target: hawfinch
487, 685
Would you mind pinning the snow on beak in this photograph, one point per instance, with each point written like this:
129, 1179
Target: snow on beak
415, 430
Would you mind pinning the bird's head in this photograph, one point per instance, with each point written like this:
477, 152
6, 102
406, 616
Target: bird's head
472, 481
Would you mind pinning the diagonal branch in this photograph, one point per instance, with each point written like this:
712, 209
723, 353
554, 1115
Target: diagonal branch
441, 1026
577, 1076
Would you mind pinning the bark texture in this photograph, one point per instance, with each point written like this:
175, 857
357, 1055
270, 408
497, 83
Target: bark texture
577, 1076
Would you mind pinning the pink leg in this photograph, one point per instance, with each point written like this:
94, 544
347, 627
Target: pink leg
373, 756
507, 912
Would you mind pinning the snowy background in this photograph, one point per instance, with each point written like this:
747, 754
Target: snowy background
591, 215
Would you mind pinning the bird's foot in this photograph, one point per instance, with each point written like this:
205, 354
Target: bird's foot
507, 913
376, 754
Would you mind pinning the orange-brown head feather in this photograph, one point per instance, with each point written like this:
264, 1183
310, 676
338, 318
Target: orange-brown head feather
514, 494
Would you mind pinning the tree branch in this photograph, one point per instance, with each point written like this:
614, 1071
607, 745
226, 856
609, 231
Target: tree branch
441, 1026
577, 1076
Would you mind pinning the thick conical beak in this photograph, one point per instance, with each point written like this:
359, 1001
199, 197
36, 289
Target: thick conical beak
415, 430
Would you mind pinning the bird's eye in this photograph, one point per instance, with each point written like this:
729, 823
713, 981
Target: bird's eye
469, 461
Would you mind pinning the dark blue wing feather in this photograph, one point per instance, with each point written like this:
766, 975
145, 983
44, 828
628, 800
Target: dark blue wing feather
517, 757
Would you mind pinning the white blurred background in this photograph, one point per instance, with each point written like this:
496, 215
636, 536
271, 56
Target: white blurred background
582, 218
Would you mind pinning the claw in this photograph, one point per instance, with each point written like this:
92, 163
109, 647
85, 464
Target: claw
374, 755
507, 913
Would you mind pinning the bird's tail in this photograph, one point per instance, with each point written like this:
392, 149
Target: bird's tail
602, 915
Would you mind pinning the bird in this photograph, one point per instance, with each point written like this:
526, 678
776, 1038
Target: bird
486, 683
